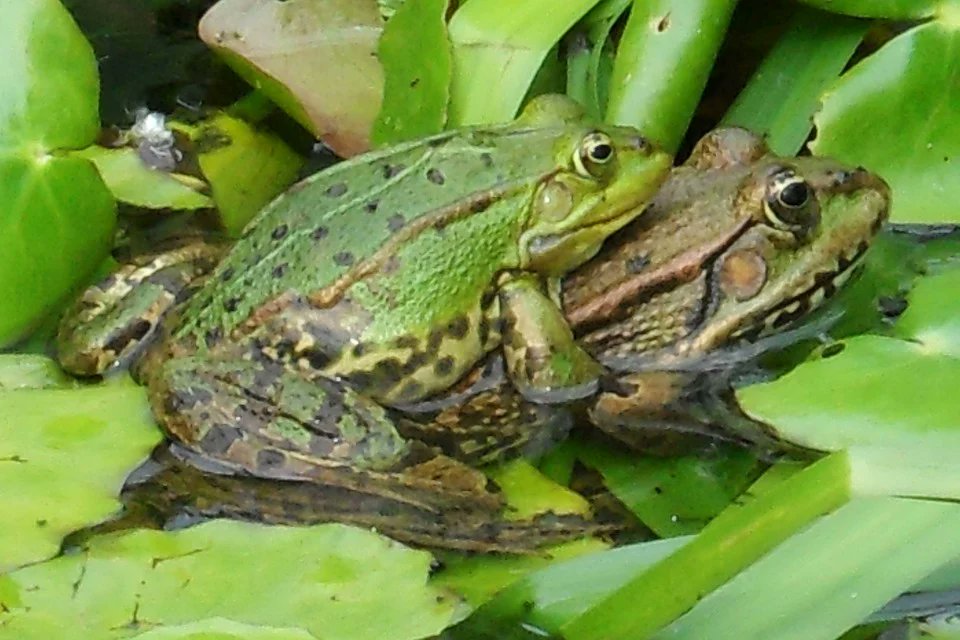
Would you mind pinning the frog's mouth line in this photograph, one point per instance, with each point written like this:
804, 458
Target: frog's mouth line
825, 285
582, 243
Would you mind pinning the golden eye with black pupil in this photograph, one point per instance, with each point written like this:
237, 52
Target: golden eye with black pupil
594, 151
790, 203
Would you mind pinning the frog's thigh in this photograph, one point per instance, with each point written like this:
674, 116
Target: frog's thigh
263, 419
543, 360
113, 319
489, 426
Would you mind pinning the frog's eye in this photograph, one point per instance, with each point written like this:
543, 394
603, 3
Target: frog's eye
790, 203
593, 152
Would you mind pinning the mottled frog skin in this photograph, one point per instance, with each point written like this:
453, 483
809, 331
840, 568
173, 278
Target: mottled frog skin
738, 244
379, 281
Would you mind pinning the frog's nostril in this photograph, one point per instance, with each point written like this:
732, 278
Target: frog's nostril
639, 143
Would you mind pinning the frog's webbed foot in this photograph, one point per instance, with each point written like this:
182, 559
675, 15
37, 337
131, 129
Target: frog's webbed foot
485, 420
672, 413
543, 360
113, 320
262, 419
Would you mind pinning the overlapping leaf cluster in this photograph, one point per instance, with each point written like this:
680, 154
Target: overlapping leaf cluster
851, 531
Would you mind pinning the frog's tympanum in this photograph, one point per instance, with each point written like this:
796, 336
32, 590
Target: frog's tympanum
375, 283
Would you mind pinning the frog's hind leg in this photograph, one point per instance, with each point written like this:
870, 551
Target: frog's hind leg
113, 320
260, 418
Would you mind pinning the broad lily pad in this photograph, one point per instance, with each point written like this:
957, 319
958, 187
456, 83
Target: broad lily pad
674, 496
63, 456
895, 113
314, 58
327, 581
890, 400
133, 182
56, 216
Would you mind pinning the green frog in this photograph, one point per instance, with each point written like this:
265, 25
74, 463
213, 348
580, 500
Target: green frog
737, 242
375, 283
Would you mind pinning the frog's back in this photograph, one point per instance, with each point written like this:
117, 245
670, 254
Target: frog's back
328, 224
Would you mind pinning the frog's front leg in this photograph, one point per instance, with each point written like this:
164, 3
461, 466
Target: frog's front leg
264, 419
113, 320
543, 360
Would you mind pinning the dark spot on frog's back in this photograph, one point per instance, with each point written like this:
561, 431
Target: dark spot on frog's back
344, 258
458, 327
270, 459
337, 190
231, 304
395, 222
213, 336
406, 342
486, 159
636, 264
415, 362
279, 270
434, 341
391, 170
443, 367
319, 233
411, 391
371, 206
227, 274
436, 176
132, 333
219, 438
280, 232
387, 374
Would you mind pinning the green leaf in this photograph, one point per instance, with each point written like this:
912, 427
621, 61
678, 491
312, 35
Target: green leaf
478, 578
498, 48
784, 92
417, 78
542, 601
836, 572
673, 496
63, 456
653, 598
591, 60
246, 167
894, 113
56, 216
315, 58
896, 9
888, 400
330, 581
29, 371
221, 629
133, 182
530, 493
665, 39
